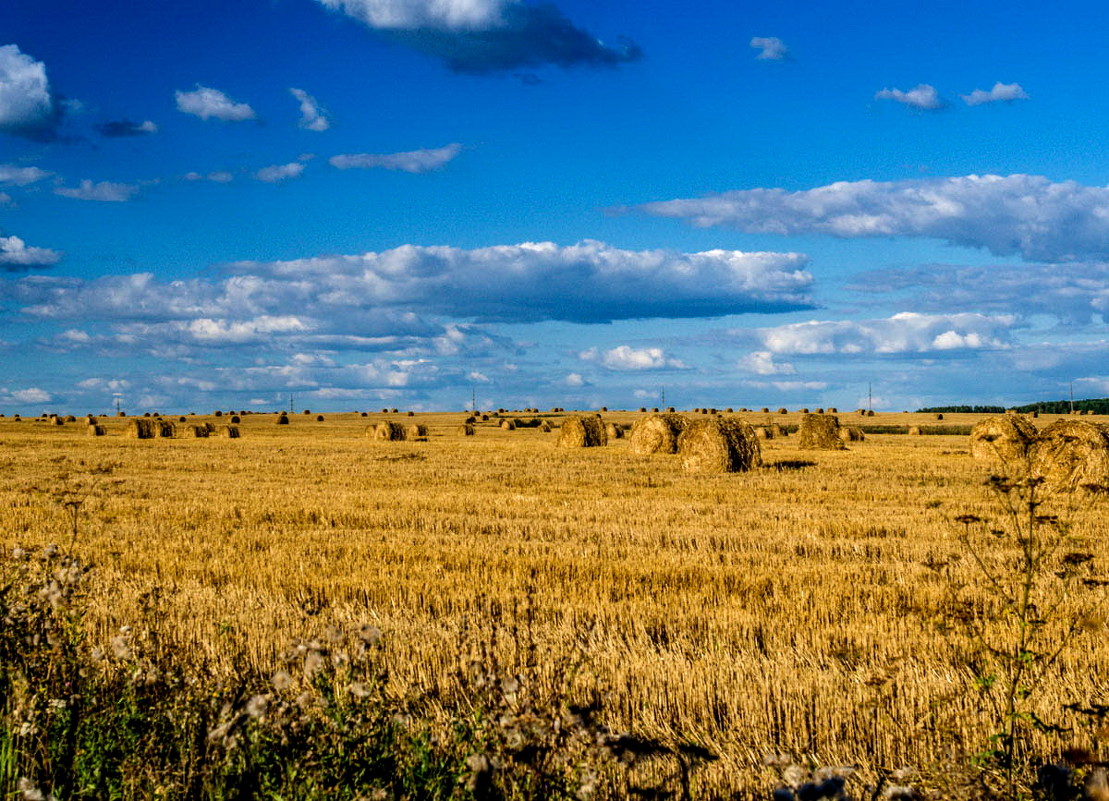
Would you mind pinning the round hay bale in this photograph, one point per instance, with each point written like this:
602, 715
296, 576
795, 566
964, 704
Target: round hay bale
466, 430
364, 414
642, 409
57, 421
719, 446
766, 410
94, 430
763, 433
164, 428
1071, 453
820, 432
283, 419
307, 412
319, 418
805, 411
140, 428
195, 432
614, 431
819, 411
182, 419
230, 432
508, 425
91, 420
1005, 438
411, 413
217, 413
914, 431
235, 419
657, 433
582, 432
851, 434
869, 412
121, 414
386, 431
545, 427
416, 432
939, 415
833, 410
70, 418
783, 410
485, 418
777, 431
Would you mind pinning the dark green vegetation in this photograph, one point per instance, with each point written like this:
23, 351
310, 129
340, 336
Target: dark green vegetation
1090, 405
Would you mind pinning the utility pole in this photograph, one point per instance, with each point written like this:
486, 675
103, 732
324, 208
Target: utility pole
119, 407
869, 397
290, 403
662, 399
1072, 397
473, 400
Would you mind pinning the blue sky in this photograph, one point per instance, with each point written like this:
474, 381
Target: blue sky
400, 202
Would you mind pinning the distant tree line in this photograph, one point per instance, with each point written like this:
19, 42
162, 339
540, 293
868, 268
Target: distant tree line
1092, 405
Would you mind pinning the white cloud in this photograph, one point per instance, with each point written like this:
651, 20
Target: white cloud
773, 48
280, 172
904, 333
104, 191
761, 362
922, 96
10, 175
1001, 93
478, 378
624, 357
788, 386
208, 103
110, 385
27, 106
411, 14
311, 117
574, 380
15, 255
219, 177
1025, 214
31, 395
414, 161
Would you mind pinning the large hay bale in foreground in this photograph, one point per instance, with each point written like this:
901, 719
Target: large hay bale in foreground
851, 434
658, 433
820, 432
416, 432
230, 432
94, 430
387, 431
582, 432
1004, 438
140, 428
1071, 453
719, 446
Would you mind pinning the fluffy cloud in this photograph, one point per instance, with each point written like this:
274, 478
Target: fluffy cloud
124, 128
29, 395
16, 256
1001, 93
761, 362
10, 175
208, 103
904, 333
311, 118
280, 172
922, 96
772, 48
27, 106
104, 192
623, 357
1016, 214
414, 161
219, 177
484, 36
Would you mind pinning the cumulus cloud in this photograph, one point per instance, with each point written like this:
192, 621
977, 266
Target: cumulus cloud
762, 362
280, 172
922, 96
104, 191
118, 129
208, 103
904, 333
29, 395
485, 36
10, 175
624, 357
771, 48
27, 106
574, 380
1017, 214
218, 177
414, 161
16, 256
1001, 93
311, 117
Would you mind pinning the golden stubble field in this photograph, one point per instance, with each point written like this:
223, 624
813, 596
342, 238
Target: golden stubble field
803, 608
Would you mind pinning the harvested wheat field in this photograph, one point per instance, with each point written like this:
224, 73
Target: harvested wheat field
804, 607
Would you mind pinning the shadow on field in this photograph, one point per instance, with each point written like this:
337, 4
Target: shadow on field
789, 464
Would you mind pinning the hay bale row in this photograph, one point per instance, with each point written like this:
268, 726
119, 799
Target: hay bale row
582, 432
657, 433
820, 432
719, 446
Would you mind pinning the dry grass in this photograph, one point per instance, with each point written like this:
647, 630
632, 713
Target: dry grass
802, 607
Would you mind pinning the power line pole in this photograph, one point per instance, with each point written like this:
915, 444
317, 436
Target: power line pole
1072, 397
473, 400
662, 401
869, 397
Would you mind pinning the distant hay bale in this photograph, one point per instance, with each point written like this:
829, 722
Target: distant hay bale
387, 431
1005, 438
508, 425
719, 446
545, 427
657, 433
728, 410
614, 431
235, 419
582, 432
939, 416
642, 409
230, 432
416, 432
851, 434
833, 410
195, 432
783, 410
364, 414
766, 410
217, 413
777, 431
307, 412
164, 428
121, 414
819, 411
484, 418
283, 419
91, 420
94, 430
1071, 453
869, 412
820, 432
411, 414
805, 411
58, 421
319, 418
466, 430
140, 428
182, 419
70, 418
764, 433
914, 431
